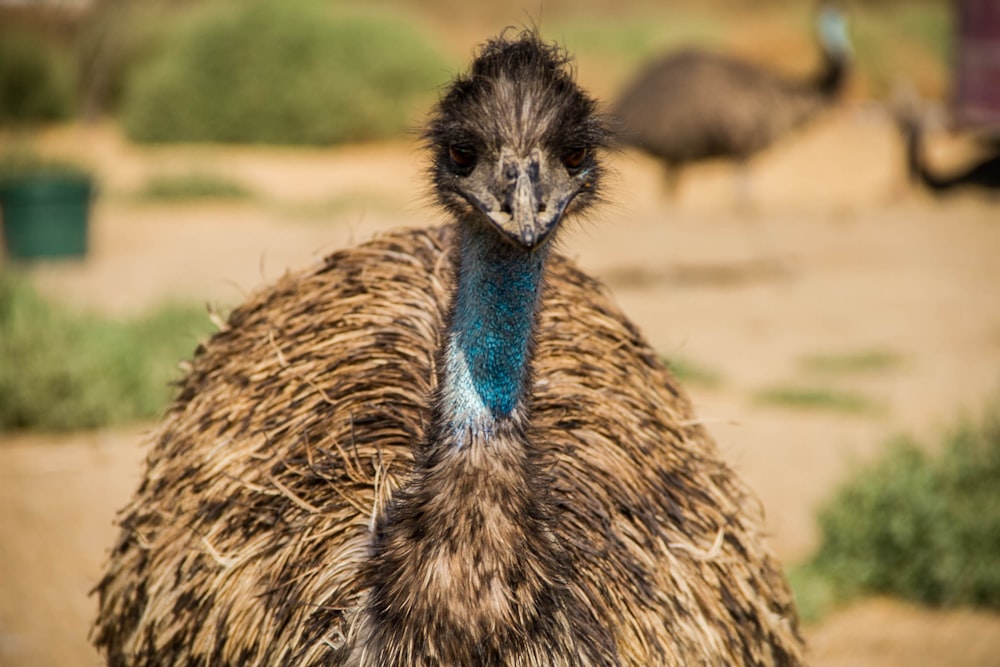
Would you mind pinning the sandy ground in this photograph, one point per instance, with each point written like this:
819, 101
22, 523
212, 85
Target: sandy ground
833, 256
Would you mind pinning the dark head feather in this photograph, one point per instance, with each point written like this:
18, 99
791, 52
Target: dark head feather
560, 114
517, 103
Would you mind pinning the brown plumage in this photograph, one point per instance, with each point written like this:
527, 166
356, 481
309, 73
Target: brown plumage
693, 105
312, 499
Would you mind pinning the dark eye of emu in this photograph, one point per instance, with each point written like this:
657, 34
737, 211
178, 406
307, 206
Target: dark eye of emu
574, 158
463, 158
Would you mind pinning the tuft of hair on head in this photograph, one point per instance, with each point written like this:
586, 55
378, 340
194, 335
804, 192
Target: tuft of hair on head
519, 92
540, 70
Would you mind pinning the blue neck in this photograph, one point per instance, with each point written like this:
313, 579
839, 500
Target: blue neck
489, 341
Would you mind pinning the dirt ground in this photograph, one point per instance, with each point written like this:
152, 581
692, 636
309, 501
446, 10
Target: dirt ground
833, 255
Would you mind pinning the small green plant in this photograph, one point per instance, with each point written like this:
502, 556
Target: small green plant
818, 398
871, 360
63, 370
921, 526
815, 593
691, 372
291, 72
193, 186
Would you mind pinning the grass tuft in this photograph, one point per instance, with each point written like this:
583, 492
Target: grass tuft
64, 370
872, 360
691, 372
915, 525
815, 593
193, 186
818, 398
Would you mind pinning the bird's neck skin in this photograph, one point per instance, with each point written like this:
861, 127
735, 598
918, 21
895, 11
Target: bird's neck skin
488, 344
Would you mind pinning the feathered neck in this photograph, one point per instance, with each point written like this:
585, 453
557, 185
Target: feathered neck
487, 351
465, 568
833, 75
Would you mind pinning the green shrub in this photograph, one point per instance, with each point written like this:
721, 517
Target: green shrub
35, 84
294, 72
818, 398
692, 372
921, 527
192, 186
64, 370
871, 360
814, 591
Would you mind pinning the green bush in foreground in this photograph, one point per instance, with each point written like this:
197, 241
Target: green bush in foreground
64, 371
291, 72
919, 526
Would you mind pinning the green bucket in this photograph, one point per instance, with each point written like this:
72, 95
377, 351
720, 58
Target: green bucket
46, 215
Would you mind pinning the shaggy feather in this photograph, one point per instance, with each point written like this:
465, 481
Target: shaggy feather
245, 542
305, 503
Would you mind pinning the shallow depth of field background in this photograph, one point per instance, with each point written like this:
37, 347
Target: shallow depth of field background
839, 332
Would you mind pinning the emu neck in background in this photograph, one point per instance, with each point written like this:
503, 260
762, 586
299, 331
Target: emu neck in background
831, 78
464, 569
919, 171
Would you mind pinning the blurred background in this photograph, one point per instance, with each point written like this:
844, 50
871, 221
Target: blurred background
821, 270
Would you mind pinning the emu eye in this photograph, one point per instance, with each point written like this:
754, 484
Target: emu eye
574, 158
463, 158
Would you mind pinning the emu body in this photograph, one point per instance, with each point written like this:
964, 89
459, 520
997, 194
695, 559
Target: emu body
693, 105
447, 447
983, 174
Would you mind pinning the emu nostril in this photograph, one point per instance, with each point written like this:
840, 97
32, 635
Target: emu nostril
510, 172
541, 207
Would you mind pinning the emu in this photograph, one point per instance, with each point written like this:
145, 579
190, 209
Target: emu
447, 446
693, 105
984, 174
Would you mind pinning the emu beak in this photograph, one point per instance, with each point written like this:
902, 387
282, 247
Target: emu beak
529, 224
529, 211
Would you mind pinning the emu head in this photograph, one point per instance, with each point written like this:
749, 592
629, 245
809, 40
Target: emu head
831, 26
515, 142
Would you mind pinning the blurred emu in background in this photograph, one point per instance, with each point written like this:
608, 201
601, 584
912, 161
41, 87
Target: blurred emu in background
975, 103
692, 105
